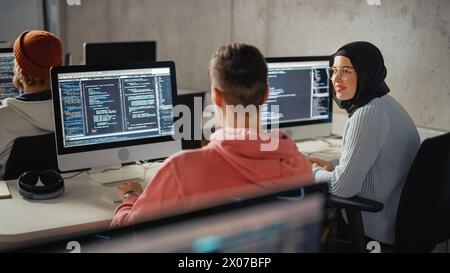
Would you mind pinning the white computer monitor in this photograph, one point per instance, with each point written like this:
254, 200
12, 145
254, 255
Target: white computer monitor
110, 115
7, 87
301, 89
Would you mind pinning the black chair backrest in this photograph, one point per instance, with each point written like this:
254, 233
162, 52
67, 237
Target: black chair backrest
31, 153
196, 118
68, 59
423, 216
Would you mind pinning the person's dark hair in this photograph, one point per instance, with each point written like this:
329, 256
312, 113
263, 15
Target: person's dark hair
241, 72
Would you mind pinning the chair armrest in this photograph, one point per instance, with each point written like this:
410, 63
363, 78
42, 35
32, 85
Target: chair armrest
359, 203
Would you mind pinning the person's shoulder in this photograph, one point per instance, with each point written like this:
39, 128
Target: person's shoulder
189, 156
372, 116
374, 109
6, 102
5, 107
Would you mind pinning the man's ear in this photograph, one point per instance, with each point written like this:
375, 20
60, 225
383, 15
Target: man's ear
266, 94
218, 97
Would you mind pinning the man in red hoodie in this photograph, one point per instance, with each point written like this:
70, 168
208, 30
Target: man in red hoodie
235, 164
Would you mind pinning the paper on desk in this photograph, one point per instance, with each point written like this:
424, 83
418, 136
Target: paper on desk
4, 190
335, 142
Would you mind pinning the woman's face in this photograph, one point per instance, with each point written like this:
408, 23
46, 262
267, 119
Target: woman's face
344, 78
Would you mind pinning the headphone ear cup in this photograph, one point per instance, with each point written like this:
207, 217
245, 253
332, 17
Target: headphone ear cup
50, 177
29, 178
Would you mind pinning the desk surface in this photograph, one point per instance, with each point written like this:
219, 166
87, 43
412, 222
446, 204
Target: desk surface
324, 148
87, 206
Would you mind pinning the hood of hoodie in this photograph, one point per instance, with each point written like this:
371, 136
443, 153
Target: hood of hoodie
242, 148
38, 113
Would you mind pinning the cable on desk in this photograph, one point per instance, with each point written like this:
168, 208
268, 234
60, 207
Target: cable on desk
69, 177
110, 169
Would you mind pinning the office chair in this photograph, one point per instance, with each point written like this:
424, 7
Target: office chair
67, 59
31, 153
423, 215
355, 241
196, 120
330, 240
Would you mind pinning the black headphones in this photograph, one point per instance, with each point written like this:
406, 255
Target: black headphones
52, 180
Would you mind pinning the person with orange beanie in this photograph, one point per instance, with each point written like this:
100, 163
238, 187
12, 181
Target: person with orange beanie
35, 51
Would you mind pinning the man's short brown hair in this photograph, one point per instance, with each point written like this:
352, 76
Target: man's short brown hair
241, 72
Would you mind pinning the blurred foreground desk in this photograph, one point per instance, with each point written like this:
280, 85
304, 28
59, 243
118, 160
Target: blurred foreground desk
85, 207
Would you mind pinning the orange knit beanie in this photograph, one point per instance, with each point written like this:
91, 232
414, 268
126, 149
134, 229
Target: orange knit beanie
36, 51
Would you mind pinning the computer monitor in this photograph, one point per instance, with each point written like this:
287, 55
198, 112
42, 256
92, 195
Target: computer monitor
302, 90
119, 52
279, 226
111, 115
7, 88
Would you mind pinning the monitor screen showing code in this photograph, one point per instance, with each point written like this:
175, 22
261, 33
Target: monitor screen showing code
299, 89
7, 88
110, 106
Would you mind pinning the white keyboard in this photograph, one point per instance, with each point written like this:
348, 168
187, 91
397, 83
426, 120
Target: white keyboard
313, 146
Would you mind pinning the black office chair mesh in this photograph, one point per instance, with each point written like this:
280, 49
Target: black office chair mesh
31, 153
423, 215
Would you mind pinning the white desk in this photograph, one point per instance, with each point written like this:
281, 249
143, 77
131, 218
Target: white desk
85, 207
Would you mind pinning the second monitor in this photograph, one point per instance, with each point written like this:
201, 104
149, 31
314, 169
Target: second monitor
7, 88
119, 52
300, 88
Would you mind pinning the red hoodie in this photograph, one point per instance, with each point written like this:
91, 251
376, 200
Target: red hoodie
232, 165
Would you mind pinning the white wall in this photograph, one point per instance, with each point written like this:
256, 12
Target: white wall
412, 34
19, 15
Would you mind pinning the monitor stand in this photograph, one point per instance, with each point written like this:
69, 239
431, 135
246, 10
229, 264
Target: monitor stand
116, 174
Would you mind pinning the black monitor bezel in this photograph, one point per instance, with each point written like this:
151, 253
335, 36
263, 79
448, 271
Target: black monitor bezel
54, 71
330, 97
91, 46
6, 50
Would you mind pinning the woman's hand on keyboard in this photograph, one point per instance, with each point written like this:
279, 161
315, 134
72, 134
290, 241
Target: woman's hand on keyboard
317, 162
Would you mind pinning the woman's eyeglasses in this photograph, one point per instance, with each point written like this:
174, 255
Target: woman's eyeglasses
344, 72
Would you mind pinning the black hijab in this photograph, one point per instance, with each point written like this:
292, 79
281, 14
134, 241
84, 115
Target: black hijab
369, 66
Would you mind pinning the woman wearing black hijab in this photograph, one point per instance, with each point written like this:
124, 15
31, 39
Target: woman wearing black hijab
380, 139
